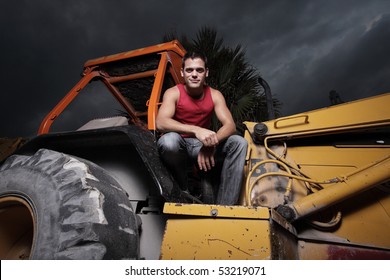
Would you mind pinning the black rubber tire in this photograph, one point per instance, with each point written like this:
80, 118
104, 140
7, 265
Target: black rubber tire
80, 211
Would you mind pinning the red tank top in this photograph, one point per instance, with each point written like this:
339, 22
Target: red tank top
194, 111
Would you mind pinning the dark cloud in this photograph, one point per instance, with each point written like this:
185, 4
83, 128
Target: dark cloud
303, 49
357, 66
324, 49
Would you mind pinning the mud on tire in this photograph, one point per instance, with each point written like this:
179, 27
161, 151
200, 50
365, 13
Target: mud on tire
78, 210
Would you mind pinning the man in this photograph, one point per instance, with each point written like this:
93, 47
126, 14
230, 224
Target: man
185, 118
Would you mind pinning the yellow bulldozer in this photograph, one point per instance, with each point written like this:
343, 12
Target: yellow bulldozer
316, 184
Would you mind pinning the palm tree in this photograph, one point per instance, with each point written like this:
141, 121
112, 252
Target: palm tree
232, 75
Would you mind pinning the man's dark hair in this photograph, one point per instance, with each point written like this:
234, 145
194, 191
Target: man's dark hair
193, 55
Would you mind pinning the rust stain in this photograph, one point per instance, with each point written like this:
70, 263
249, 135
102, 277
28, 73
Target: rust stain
235, 247
351, 253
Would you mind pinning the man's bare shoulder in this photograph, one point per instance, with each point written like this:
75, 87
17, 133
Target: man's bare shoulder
216, 95
172, 93
173, 89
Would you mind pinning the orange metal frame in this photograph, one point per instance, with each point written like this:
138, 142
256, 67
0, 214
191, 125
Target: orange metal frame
171, 55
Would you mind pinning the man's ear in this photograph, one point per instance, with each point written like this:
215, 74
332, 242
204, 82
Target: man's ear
207, 72
181, 72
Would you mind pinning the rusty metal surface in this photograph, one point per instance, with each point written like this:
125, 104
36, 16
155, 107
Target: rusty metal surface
319, 251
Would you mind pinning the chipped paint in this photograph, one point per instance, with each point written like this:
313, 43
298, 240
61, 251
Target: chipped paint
216, 238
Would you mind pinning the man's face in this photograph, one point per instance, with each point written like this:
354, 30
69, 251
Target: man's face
194, 73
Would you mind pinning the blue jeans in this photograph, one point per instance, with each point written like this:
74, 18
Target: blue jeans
178, 153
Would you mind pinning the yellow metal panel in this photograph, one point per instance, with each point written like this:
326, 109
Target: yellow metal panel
196, 231
216, 238
366, 219
216, 211
361, 113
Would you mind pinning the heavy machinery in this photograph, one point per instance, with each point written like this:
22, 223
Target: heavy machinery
316, 184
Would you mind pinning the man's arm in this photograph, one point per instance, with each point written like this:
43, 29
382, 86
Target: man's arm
206, 159
224, 116
164, 120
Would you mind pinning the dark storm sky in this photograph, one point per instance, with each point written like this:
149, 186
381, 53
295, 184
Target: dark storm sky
303, 49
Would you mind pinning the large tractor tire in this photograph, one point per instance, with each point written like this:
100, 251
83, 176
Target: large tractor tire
55, 206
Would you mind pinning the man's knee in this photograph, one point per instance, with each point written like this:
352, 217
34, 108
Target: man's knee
238, 141
169, 142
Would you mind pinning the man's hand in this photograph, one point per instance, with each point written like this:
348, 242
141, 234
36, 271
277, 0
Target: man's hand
206, 158
207, 137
